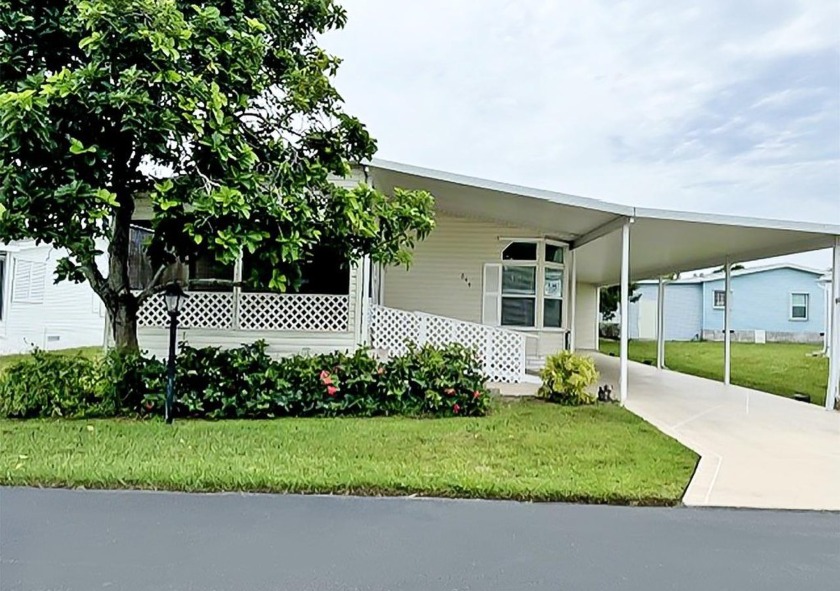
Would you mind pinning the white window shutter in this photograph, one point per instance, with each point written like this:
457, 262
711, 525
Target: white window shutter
37, 283
491, 309
29, 282
20, 281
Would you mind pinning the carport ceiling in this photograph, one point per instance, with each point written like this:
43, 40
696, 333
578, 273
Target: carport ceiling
661, 242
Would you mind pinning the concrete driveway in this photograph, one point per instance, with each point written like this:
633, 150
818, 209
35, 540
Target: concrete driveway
758, 450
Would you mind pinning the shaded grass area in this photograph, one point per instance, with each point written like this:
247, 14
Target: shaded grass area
523, 450
778, 368
7, 360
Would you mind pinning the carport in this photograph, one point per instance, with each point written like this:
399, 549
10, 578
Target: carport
653, 243
612, 244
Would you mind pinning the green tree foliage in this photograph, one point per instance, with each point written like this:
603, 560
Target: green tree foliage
220, 112
611, 298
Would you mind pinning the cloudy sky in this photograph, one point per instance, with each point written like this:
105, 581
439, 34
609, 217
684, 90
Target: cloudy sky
720, 105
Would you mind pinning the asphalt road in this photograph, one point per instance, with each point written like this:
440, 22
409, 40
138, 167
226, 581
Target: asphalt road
85, 540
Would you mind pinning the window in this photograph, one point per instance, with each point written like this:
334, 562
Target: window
720, 299
526, 289
553, 298
519, 295
799, 306
29, 282
520, 251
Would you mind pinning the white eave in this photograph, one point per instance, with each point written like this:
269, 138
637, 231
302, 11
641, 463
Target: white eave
662, 241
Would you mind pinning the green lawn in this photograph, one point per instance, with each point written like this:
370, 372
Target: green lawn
779, 368
523, 450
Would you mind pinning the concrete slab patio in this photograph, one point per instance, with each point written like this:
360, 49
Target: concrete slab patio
758, 450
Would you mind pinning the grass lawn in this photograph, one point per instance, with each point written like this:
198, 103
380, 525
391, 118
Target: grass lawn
523, 450
778, 368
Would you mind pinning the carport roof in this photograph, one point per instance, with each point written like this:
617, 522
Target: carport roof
661, 241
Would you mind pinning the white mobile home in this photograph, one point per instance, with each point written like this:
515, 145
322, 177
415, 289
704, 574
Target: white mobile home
36, 312
510, 270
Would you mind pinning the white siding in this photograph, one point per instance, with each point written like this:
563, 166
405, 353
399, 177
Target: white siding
446, 275
586, 318
46, 315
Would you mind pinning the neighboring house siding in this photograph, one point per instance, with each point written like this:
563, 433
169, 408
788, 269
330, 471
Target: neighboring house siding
40, 313
761, 301
446, 275
683, 311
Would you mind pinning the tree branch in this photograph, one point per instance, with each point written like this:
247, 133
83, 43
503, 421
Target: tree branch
96, 279
148, 291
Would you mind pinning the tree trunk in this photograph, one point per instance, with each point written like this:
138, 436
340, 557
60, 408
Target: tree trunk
124, 323
123, 309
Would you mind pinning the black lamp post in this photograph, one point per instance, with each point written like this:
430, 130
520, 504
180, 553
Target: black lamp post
173, 296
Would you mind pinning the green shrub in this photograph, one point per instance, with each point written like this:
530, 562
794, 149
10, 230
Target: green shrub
437, 380
566, 378
127, 378
246, 382
53, 385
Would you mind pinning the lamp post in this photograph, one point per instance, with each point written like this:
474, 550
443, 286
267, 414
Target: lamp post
172, 296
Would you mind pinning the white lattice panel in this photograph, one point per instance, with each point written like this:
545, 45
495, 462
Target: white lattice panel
298, 312
201, 309
392, 329
501, 351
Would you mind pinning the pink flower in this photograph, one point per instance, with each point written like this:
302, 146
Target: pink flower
456, 408
476, 395
449, 391
331, 390
325, 378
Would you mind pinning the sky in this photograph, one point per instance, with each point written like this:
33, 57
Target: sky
718, 106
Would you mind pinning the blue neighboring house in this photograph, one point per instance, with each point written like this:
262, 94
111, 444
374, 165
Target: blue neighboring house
774, 303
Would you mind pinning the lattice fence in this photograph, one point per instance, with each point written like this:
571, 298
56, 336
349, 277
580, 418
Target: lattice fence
311, 313
201, 309
501, 351
253, 311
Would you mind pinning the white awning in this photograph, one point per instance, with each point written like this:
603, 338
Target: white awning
661, 242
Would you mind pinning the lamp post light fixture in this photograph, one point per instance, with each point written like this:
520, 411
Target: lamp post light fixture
173, 296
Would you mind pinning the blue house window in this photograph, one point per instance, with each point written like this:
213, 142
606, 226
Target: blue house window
719, 299
799, 306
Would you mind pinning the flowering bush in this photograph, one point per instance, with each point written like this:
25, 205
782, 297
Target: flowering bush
246, 382
438, 380
566, 378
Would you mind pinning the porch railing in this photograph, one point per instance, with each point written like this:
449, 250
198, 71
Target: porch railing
502, 351
253, 312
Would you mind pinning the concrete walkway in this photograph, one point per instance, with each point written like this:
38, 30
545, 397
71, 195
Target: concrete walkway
757, 449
